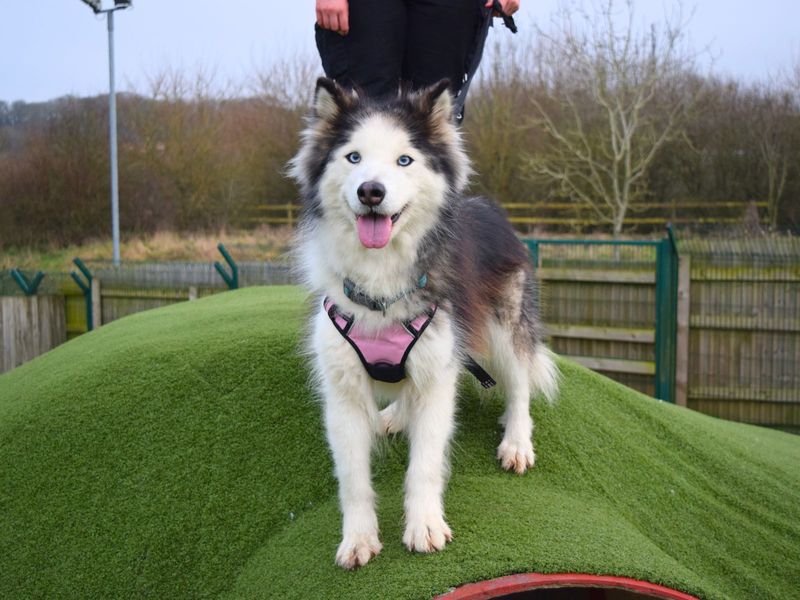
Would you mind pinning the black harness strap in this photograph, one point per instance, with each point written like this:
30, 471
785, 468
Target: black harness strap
479, 373
381, 370
385, 372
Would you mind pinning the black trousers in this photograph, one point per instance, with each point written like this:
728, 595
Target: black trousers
413, 42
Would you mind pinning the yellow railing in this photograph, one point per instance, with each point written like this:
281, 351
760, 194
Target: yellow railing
547, 213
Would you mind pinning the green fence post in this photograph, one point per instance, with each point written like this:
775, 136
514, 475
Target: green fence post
29, 287
86, 288
666, 317
231, 280
533, 247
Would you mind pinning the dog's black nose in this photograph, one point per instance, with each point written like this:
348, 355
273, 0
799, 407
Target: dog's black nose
371, 193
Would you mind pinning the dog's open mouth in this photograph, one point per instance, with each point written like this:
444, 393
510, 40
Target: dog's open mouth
374, 230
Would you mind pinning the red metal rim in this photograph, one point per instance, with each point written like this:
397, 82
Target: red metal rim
485, 590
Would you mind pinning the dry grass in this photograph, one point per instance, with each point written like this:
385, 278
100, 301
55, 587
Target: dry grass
265, 243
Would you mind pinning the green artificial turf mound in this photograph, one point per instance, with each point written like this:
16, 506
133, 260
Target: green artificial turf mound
179, 453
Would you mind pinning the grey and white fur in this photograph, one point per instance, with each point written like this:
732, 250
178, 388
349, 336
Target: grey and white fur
479, 274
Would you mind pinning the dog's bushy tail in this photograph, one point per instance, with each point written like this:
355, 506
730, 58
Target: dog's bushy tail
544, 374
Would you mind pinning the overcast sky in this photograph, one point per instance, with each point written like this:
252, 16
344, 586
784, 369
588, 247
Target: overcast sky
49, 48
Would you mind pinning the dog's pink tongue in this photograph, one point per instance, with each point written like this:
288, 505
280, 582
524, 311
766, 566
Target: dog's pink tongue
374, 230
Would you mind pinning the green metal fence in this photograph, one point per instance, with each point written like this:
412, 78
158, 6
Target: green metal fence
612, 305
132, 287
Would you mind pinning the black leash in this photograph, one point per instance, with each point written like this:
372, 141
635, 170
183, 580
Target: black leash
508, 20
477, 52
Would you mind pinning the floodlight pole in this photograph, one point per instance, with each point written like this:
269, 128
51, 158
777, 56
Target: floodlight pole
112, 137
97, 7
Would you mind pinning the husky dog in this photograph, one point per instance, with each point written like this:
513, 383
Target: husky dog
414, 282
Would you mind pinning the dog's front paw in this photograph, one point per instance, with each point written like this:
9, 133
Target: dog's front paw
391, 419
427, 535
356, 550
516, 455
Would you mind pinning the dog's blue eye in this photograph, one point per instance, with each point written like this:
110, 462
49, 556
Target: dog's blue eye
353, 157
405, 160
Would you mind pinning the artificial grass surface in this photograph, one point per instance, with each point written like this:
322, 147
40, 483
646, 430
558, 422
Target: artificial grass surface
178, 453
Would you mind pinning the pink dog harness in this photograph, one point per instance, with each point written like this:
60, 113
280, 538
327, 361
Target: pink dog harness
383, 353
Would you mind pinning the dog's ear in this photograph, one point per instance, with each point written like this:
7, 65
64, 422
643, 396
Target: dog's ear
437, 103
330, 99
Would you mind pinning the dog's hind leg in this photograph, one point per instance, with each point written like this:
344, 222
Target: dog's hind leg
515, 452
429, 428
523, 366
521, 371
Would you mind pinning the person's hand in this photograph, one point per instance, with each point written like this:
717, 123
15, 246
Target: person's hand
334, 15
509, 6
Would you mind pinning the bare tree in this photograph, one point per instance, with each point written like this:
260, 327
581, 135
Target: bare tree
612, 97
775, 129
493, 114
288, 83
773, 132
182, 147
281, 94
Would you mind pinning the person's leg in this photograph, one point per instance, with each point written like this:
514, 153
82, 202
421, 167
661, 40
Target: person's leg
370, 56
440, 40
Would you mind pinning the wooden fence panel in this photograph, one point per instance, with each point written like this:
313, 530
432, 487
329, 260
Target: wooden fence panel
75, 314
29, 326
135, 287
118, 302
744, 336
598, 305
